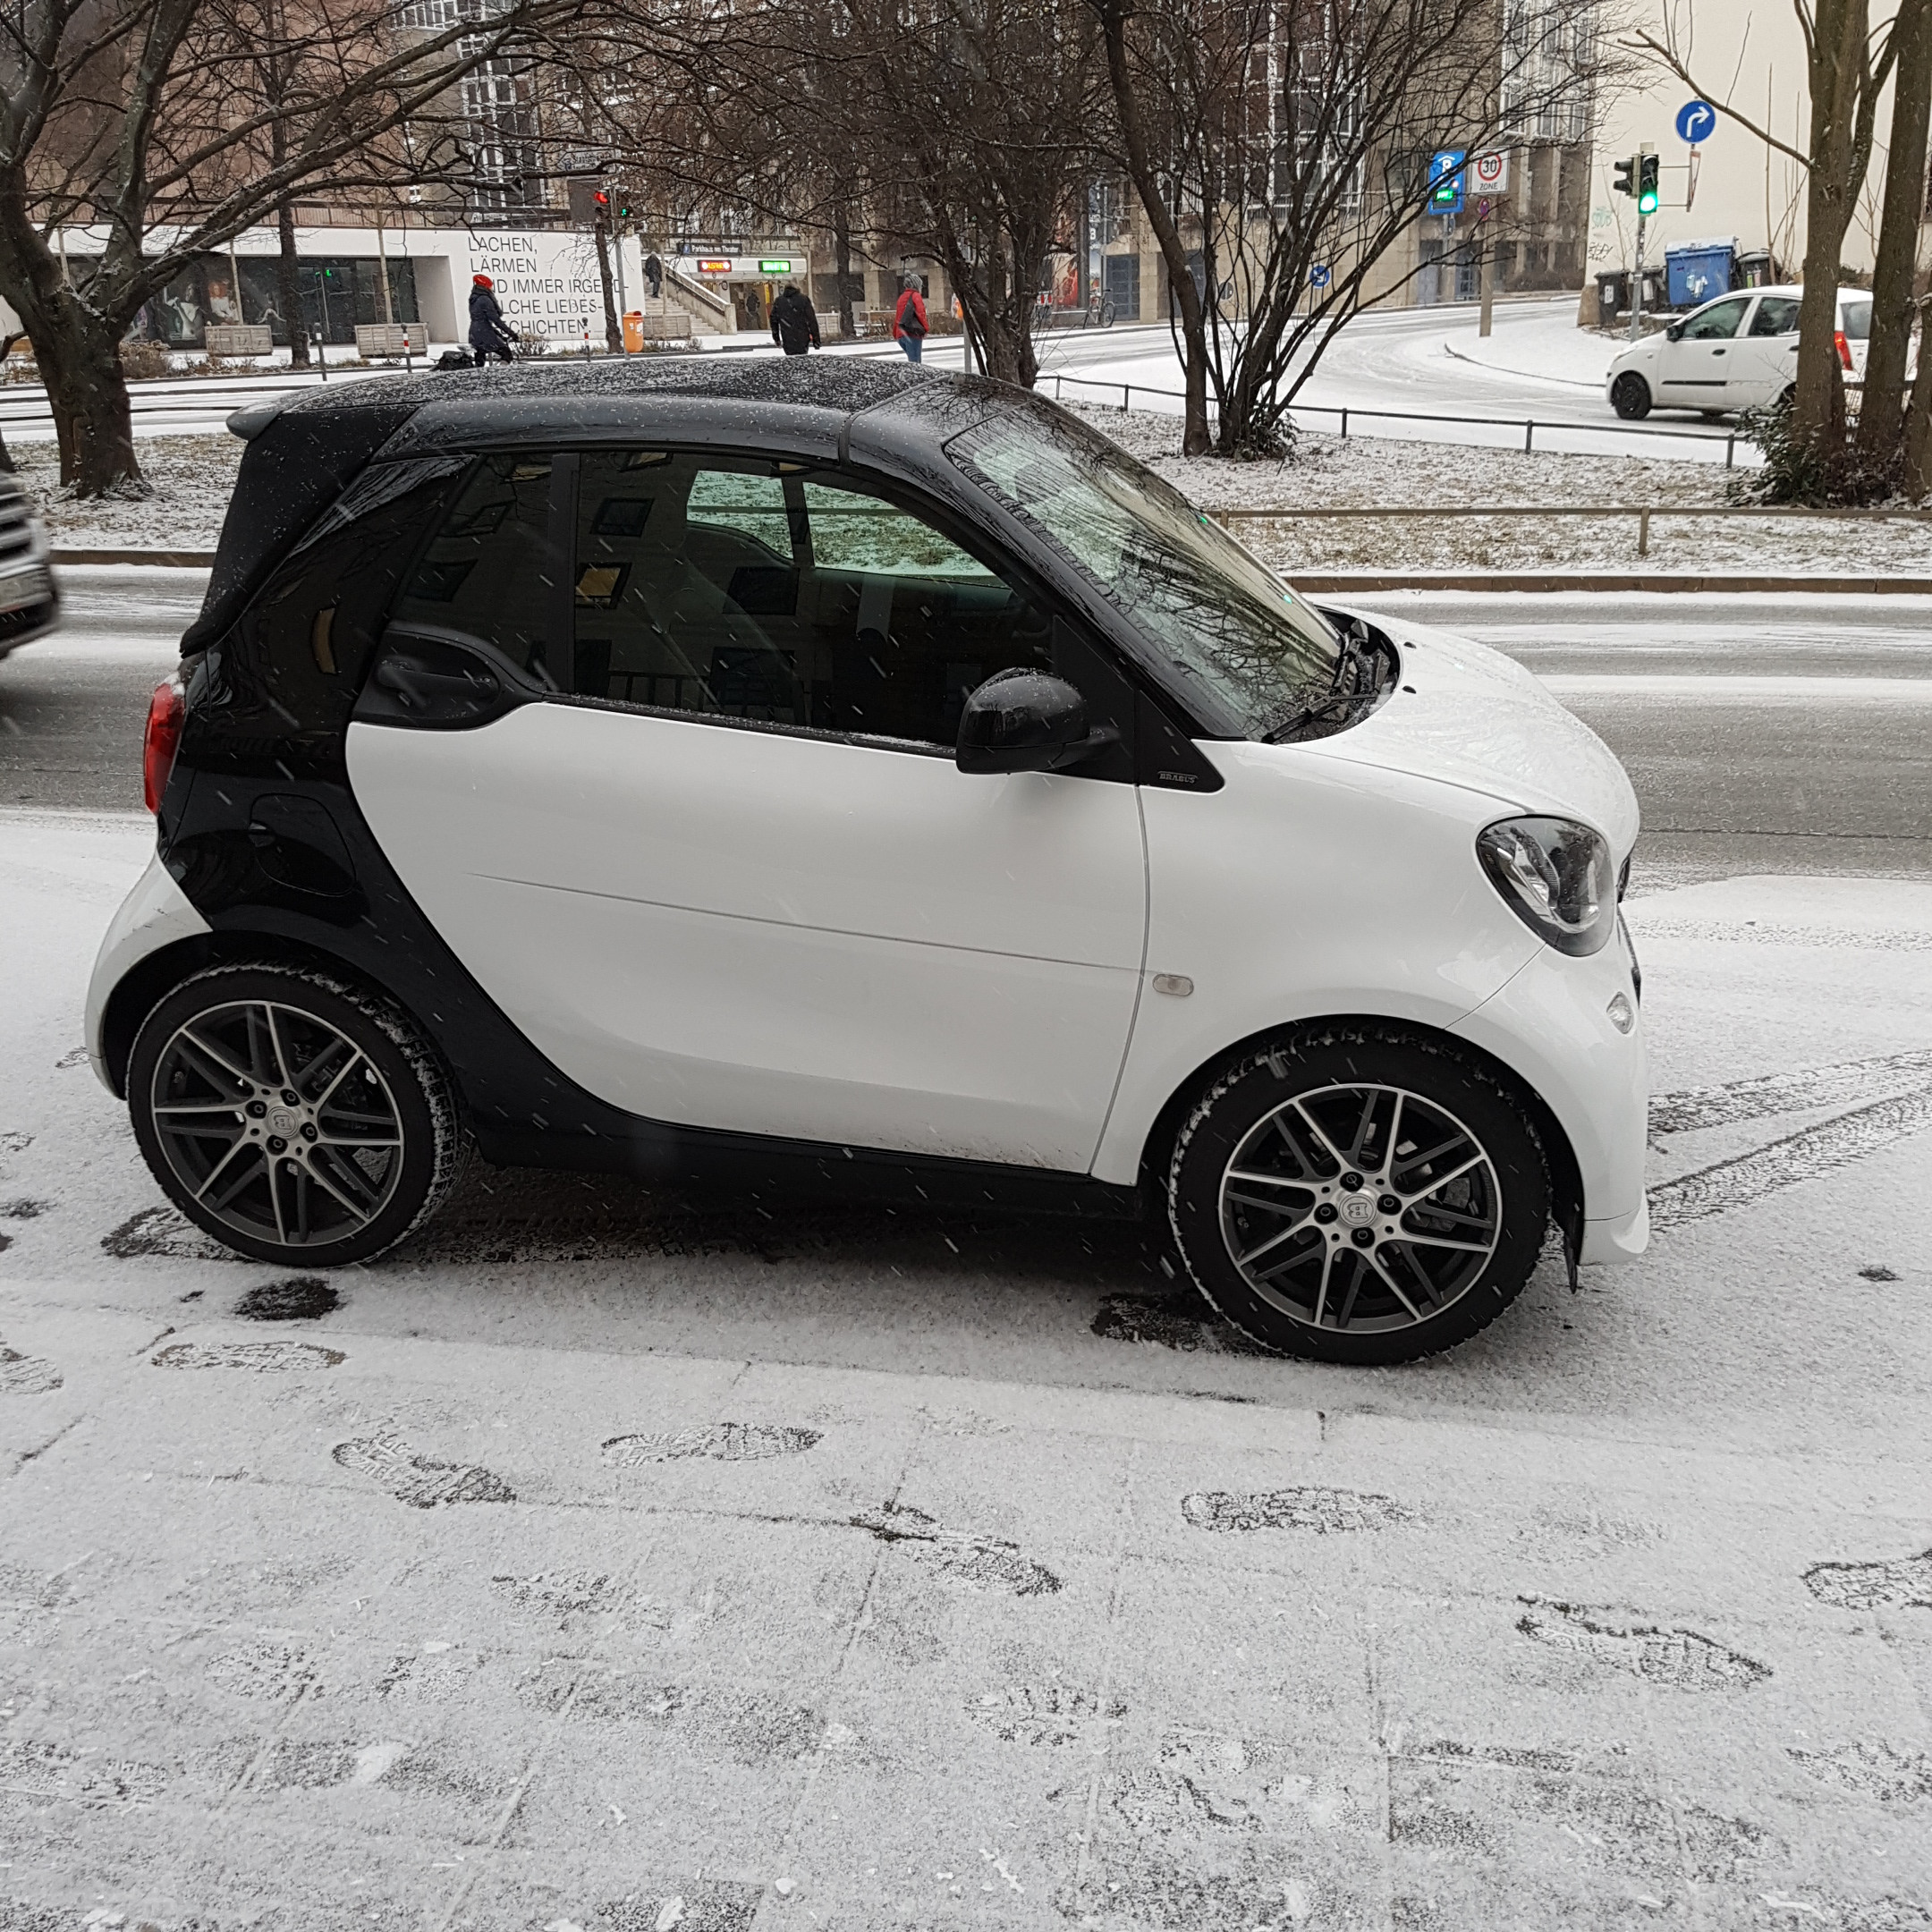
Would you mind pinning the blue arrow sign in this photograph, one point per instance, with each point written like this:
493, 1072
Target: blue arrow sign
1317, 274
1696, 121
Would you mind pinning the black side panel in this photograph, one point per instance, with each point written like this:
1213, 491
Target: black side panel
291, 472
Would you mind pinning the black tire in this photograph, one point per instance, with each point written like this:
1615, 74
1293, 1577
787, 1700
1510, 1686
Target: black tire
1360, 1281
1630, 396
368, 1149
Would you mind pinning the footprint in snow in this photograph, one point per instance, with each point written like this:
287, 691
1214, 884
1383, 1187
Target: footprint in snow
979, 1562
26, 1375
1904, 1583
1683, 1659
260, 1358
718, 1442
1325, 1511
417, 1481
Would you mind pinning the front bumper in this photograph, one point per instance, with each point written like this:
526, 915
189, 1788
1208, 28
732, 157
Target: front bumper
1551, 1024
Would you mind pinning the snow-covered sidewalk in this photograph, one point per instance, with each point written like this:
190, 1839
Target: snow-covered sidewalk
605, 1562
1547, 346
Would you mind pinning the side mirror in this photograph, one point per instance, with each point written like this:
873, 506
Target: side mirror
1022, 720
1674, 332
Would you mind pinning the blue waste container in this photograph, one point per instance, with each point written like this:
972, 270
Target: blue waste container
1699, 272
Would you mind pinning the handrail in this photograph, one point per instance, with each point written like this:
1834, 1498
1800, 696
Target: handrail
1643, 512
1528, 425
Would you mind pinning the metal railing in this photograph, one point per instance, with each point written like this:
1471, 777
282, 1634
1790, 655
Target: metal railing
1528, 425
1643, 512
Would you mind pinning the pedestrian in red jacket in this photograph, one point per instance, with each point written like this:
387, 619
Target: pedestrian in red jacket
909, 320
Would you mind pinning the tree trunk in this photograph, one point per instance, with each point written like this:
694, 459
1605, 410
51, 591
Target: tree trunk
1917, 476
1146, 178
1882, 413
78, 350
1836, 66
288, 285
842, 269
613, 328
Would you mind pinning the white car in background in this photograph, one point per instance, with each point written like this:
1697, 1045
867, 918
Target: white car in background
1737, 353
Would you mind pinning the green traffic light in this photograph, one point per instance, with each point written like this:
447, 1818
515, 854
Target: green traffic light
1647, 169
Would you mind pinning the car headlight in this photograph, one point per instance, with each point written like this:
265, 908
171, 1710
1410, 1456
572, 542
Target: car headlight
1558, 877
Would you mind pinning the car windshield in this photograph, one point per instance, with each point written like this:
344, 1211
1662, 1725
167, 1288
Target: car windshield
1255, 655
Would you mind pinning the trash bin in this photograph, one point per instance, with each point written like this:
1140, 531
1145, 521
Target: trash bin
633, 331
1612, 290
1699, 272
1756, 268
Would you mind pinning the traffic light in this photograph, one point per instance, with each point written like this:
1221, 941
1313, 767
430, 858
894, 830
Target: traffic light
602, 200
1646, 184
1623, 177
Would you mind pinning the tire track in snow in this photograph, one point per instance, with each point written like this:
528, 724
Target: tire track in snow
1785, 1093
1803, 1155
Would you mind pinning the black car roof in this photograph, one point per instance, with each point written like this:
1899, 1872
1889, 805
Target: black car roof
303, 453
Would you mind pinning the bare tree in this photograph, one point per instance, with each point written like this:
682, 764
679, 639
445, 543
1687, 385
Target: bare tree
954, 130
1281, 150
153, 117
1848, 66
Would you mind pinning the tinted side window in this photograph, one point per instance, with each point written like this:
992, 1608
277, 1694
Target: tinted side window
785, 593
1778, 315
487, 571
1855, 318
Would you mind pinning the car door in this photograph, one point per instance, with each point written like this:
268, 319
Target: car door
1693, 371
729, 876
1763, 360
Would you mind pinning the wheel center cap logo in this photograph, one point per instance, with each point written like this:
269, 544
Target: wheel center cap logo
283, 1122
1357, 1210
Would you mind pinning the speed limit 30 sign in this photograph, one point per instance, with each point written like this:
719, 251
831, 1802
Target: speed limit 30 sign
1489, 173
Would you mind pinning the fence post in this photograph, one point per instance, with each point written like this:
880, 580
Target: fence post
1730, 448
1528, 431
1124, 392
1643, 533
1344, 425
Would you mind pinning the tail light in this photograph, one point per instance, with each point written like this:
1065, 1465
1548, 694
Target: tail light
165, 710
1844, 348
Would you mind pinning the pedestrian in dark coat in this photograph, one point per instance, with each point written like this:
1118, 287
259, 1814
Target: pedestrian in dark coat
794, 324
490, 334
654, 274
909, 320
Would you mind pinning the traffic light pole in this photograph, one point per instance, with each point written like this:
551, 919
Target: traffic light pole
1636, 307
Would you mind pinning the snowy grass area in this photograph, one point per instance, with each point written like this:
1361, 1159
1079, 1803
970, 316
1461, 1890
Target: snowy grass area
603, 1561
1334, 472
191, 477
1547, 346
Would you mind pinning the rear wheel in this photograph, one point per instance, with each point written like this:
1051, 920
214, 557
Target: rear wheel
291, 1115
1358, 1196
1630, 396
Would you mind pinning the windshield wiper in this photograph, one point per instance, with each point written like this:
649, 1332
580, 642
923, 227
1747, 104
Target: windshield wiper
1349, 663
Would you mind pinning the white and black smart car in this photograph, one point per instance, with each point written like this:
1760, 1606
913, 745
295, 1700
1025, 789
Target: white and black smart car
832, 774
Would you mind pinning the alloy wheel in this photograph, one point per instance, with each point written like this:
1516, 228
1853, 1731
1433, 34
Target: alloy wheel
1361, 1209
277, 1124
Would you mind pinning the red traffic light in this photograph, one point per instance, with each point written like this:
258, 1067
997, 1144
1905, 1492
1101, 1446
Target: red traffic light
601, 198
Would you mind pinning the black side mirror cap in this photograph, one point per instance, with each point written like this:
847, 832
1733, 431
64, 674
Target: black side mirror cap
1674, 332
1022, 720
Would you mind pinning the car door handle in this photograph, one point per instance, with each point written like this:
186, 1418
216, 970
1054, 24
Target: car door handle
1716, 352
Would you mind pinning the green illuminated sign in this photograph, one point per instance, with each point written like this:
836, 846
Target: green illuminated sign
775, 268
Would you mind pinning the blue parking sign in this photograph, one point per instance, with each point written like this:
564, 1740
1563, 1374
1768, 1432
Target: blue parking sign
1446, 181
1696, 121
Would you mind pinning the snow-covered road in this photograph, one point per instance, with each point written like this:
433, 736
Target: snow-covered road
611, 1563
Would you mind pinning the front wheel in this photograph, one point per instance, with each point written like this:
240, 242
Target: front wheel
1355, 1195
296, 1118
1630, 396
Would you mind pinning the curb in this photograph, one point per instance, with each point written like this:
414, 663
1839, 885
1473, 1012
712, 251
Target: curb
1504, 581
1503, 368
175, 559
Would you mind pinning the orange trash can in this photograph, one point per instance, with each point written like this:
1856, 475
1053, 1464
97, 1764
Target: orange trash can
633, 331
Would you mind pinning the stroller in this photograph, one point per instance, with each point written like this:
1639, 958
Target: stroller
466, 358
